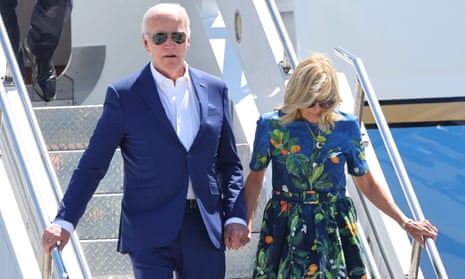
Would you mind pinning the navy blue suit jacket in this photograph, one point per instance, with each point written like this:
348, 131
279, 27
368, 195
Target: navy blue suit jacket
156, 164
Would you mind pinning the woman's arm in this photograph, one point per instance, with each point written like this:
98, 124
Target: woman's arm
382, 200
253, 189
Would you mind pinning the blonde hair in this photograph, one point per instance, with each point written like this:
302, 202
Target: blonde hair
313, 80
173, 8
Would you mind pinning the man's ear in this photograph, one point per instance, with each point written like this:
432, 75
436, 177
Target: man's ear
146, 43
188, 41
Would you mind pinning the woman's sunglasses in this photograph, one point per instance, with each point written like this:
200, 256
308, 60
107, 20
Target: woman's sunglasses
323, 105
161, 37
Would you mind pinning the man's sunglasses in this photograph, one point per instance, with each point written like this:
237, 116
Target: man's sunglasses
323, 105
161, 37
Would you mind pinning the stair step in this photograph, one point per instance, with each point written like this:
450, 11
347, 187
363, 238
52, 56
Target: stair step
105, 262
101, 218
68, 127
65, 162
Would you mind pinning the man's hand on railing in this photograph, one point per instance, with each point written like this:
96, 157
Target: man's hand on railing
55, 236
420, 230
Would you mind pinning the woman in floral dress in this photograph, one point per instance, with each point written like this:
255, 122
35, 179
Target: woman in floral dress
309, 227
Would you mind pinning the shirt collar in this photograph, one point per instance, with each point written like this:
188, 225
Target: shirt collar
161, 79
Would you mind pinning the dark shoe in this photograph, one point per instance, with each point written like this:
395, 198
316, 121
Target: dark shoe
44, 77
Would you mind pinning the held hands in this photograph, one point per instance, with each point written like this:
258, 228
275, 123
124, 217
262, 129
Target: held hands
55, 236
235, 236
420, 230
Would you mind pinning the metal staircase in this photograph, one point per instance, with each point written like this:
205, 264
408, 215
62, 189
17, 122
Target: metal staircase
250, 61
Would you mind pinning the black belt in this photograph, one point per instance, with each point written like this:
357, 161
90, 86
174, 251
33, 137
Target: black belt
191, 204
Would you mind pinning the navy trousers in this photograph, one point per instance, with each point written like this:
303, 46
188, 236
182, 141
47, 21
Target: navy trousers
190, 256
10, 20
46, 26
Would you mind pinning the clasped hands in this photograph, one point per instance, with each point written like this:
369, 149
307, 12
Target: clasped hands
236, 235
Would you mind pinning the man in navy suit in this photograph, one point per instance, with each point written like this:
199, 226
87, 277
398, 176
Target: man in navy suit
183, 198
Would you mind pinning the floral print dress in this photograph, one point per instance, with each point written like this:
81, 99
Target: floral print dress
309, 224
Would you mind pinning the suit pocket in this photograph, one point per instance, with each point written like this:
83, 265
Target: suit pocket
143, 197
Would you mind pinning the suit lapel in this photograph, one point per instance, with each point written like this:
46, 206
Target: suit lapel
149, 92
201, 91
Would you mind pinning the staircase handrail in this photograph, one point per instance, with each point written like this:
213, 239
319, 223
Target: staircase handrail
26, 105
284, 37
391, 147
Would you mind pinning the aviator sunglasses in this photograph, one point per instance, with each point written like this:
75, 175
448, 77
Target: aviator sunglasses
323, 105
161, 37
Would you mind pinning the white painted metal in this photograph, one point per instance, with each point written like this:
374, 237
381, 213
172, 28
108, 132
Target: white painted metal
412, 49
17, 258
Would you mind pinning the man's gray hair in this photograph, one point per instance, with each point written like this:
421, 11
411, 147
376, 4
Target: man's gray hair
174, 8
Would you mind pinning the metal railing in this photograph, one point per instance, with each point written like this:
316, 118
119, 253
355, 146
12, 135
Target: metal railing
47, 265
283, 36
16, 145
364, 88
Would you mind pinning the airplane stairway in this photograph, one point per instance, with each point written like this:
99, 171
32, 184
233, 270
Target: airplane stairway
256, 84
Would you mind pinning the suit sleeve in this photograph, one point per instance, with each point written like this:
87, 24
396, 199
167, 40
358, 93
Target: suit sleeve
95, 161
230, 167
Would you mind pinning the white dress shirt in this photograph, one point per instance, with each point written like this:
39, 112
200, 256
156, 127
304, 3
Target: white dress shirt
182, 109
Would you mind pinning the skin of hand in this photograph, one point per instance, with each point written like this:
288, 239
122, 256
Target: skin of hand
55, 236
235, 236
421, 230
418, 230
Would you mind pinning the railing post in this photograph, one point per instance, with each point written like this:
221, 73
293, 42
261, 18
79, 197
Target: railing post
47, 266
414, 261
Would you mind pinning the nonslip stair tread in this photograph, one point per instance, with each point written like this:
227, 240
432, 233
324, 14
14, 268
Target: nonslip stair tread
69, 127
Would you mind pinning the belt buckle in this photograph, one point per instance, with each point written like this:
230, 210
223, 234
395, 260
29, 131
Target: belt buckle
314, 197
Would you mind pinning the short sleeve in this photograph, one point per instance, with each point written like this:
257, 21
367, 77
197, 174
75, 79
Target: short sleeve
356, 160
261, 154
